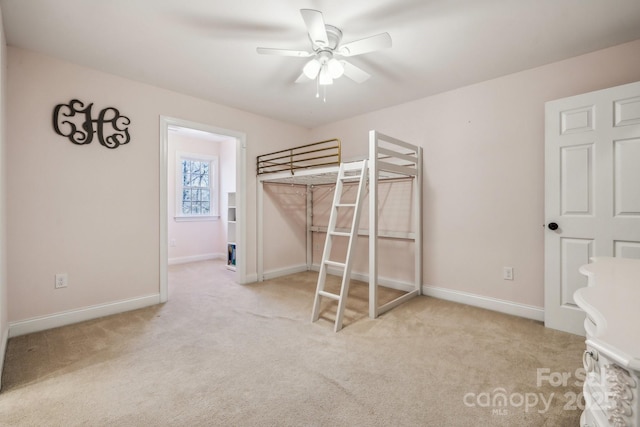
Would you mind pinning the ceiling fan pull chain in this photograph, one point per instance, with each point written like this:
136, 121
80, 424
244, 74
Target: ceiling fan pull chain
318, 86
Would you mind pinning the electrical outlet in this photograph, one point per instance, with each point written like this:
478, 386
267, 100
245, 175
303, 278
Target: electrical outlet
62, 280
507, 273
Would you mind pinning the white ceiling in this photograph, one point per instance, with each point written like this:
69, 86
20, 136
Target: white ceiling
207, 48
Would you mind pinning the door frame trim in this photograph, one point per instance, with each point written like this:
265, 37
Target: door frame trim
241, 194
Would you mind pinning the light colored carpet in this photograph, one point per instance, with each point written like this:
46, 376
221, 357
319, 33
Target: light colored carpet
223, 354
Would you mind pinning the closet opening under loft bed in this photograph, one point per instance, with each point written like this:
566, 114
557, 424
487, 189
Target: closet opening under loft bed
317, 164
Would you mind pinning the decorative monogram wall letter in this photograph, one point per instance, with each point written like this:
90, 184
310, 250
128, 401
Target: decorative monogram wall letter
74, 121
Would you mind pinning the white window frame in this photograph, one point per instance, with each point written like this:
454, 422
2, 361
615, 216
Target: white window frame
214, 186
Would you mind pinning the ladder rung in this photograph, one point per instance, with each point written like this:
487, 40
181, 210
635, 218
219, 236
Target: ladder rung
329, 295
335, 264
345, 205
352, 166
340, 233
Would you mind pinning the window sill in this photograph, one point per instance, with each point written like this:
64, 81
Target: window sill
196, 218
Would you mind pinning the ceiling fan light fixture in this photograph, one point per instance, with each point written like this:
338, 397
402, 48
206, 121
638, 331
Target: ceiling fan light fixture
336, 69
325, 76
311, 68
325, 63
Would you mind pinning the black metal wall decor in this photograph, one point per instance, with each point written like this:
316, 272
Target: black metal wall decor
74, 121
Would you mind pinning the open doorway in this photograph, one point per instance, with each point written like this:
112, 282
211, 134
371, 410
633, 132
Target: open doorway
194, 223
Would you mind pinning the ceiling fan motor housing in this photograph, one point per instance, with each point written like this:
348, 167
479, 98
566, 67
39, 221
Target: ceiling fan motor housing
334, 36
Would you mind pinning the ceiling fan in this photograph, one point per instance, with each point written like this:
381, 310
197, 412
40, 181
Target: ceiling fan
326, 48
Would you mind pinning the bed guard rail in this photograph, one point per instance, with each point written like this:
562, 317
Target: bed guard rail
323, 153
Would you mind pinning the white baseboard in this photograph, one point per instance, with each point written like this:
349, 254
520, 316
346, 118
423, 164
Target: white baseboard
3, 350
494, 304
502, 306
272, 274
194, 258
383, 281
250, 278
56, 320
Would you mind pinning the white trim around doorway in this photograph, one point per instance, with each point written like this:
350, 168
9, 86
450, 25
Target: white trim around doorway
241, 195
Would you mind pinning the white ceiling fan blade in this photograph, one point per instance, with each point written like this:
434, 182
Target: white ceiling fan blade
315, 26
356, 74
302, 78
283, 52
366, 45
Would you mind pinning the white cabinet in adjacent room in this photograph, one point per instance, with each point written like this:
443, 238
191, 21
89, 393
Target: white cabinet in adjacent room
231, 231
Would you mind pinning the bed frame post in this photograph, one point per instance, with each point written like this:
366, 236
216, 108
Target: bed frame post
373, 224
309, 198
417, 215
260, 230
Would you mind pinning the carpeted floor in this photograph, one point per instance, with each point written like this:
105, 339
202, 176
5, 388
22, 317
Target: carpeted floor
222, 354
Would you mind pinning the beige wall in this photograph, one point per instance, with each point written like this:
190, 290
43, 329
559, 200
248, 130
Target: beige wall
285, 216
4, 319
484, 169
89, 211
94, 213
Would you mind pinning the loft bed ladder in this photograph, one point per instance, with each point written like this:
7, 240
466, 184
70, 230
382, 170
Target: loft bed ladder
349, 172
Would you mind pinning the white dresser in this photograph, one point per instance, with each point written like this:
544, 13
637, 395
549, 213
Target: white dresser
612, 358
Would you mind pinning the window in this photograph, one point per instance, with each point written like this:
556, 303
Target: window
196, 187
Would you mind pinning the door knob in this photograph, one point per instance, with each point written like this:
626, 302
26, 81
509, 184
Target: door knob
553, 226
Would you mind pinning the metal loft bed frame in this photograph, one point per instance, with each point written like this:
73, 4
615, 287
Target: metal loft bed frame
318, 164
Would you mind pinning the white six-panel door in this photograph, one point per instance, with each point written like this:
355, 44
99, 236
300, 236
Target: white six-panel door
592, 192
